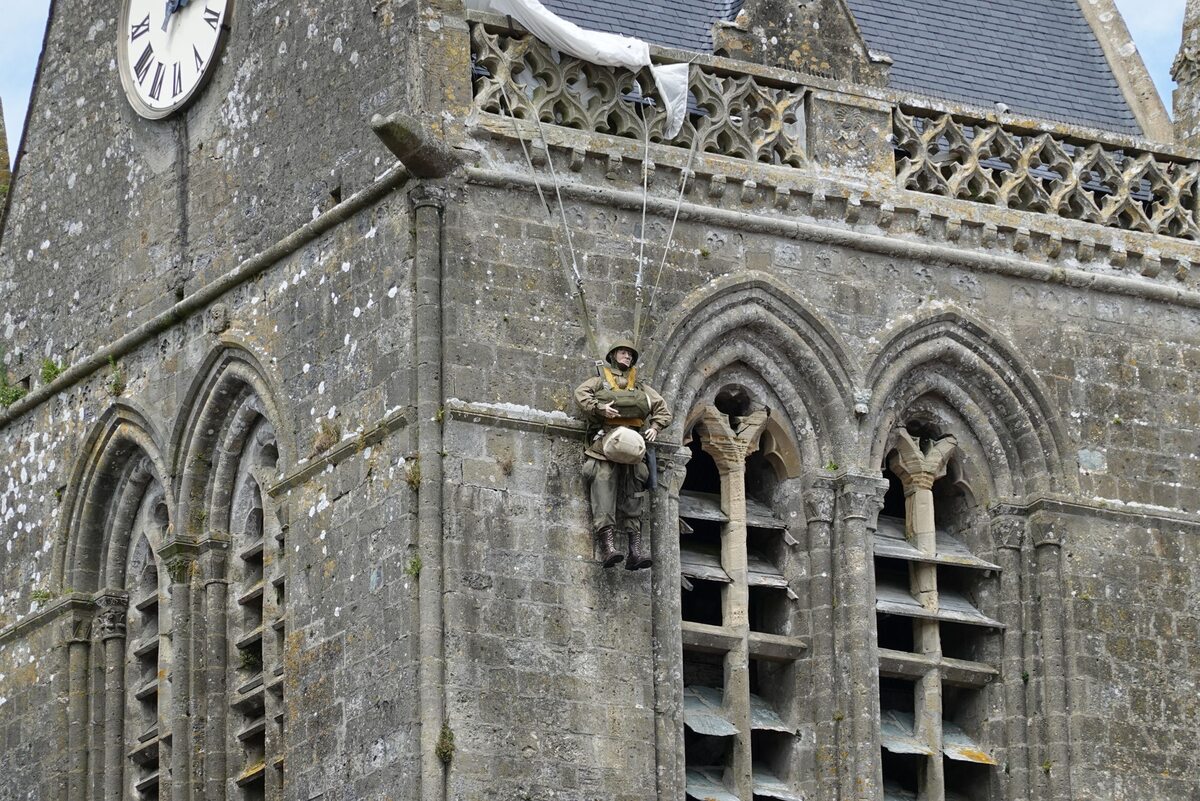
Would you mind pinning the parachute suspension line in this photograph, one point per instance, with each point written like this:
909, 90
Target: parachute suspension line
571, 271
637, 287
683, 179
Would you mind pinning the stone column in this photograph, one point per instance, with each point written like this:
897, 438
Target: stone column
78, 651
1186, 72
1008, 533
113, 613
819, 501
918, 468
429, 203
668, 638
859, 501
1047, 539
216, 666
729, 450
181, 567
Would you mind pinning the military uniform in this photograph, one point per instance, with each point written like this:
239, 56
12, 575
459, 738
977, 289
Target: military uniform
617, 490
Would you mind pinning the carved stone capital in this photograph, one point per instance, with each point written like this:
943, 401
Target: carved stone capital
79, 626
180, 559
213, 556
672, 467
861, 498
1046, 534
425, 195
819, 500
1009, 530
729, 440
112, 611
919, 468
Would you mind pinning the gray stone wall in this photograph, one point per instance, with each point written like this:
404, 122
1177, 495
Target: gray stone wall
125, 215
1071, 387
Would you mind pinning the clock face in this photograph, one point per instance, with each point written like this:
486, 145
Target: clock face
166, 49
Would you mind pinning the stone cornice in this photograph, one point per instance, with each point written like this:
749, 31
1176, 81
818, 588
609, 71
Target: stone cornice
918, 229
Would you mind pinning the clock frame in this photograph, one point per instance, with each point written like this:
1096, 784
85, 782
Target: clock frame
162, 71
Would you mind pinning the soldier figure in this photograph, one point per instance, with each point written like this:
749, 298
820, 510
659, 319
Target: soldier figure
623, 415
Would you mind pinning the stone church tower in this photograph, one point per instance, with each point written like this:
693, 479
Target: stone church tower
295, 298
1186, 73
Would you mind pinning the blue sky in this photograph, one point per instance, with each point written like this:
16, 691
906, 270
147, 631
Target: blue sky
1155, 25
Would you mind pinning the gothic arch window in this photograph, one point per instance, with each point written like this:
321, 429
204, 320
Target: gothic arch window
256, 622
742, 630
227, 441
122, 681
148, 656
936, 635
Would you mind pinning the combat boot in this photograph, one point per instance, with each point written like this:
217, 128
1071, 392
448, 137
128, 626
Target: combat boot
638, 558
609, 554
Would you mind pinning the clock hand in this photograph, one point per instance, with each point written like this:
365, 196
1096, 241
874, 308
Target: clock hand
172, 7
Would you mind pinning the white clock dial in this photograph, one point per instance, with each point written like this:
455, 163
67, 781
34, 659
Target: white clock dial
166, 49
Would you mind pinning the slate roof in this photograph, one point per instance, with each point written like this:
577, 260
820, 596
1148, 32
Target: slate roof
1040, 57
685, 24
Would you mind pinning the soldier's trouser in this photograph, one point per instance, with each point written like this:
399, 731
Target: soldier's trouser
616, 492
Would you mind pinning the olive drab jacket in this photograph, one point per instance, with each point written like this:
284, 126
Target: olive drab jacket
645, 407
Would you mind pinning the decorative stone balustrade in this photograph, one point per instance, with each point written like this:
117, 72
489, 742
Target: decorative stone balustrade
762, 118
733, 115
1046, 173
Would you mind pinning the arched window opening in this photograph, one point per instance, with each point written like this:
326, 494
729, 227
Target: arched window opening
934, 638
741, 628
144, 732
256, 622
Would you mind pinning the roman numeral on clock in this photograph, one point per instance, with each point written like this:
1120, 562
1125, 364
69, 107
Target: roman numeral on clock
156, 84
198, 58
176, 80
140, 29
142, 67
211, 17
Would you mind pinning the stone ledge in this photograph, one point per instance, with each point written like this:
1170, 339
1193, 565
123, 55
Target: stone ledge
75, 602
392, 422
510, 415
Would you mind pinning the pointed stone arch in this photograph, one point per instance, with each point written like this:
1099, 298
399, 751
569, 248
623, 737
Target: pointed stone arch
230, 442
754, 328
121, 460
951, 366
117, 521
232, 394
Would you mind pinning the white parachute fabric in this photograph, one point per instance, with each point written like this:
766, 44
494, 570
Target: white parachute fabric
597, 47
672, 80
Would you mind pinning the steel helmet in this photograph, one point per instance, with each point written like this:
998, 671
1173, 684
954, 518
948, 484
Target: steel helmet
619, 343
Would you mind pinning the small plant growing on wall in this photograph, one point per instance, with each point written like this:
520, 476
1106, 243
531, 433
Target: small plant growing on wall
327, 436
445, 745
9, 393
50, 370
116, 378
